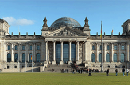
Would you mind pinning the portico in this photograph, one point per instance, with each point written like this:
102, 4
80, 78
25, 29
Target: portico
64, 51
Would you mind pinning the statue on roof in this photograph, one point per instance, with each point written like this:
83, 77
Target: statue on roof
86, 22
45, 22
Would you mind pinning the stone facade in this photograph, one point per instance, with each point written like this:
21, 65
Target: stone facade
115, 51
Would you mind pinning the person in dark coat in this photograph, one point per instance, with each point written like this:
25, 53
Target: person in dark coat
116, 72
107, 72
123, 70
89, 72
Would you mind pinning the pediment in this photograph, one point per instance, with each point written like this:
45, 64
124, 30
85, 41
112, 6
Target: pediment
66, 31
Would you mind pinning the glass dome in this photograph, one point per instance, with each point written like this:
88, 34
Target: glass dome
65, 21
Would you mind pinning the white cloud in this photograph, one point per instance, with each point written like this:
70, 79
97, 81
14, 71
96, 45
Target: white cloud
15, 22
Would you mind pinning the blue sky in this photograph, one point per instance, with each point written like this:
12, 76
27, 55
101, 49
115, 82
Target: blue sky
27, 15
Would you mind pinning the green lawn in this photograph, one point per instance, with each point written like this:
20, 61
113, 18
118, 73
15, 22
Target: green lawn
63, 79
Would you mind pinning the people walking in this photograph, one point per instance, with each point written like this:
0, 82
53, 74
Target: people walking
73, 71
89, 72
127, 71
107, 72
123, 70
116, 72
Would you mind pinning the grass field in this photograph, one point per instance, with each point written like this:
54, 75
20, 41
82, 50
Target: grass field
63, 79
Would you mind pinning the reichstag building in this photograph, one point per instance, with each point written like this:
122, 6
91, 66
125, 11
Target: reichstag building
64, 42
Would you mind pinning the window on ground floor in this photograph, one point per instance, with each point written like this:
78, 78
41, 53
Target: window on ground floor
30, 57
92, 57
15, 57
122, 57
8, 57
115, 57
38, 57
100, 57
23, 57
107, 57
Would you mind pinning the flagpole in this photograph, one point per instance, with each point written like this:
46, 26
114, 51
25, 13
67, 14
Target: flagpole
101, 50
1, 44
25, 60
32, 58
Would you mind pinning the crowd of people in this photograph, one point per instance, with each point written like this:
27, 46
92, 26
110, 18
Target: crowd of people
89, 70
116, 71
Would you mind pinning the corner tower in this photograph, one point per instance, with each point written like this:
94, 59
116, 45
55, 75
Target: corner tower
126, 27
86, 27
4, 27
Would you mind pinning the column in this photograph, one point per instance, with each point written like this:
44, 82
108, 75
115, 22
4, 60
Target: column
127, 52
28, 57
34, 52
111, 52
26, 53
104, 53
118, 58
97, 58
42, 51
77, 58
61, 62
12, 53
85, 51
54, 55
46, 62
19, 49
69, 62
32, 55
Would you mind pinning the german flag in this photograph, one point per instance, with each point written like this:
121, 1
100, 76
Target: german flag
31, 57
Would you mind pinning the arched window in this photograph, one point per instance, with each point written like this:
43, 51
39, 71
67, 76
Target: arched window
15, 57
30, 55
38, 57
8, 57
122, 57
107, 57
92, 57
115, 57
23, 57
100, 57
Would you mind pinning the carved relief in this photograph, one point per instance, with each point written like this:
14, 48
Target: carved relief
50, 48
80, 51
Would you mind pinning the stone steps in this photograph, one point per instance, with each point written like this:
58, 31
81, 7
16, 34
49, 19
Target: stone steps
57, 68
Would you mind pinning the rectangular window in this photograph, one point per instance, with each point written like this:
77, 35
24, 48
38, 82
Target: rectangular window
16, 47
8, 47
115, 47
108, 48
23, 47
38, 47
93, 47
100, 47
123, 47
30, 48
